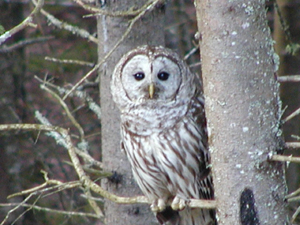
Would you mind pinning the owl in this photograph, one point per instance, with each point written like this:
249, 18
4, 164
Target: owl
163, 132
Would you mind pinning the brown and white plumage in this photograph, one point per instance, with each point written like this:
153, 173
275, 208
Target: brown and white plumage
163, 132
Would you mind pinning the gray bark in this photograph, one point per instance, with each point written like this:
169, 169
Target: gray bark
243, 111
149, 30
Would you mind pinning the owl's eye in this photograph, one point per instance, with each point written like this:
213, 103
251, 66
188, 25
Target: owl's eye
163, 76
139, 76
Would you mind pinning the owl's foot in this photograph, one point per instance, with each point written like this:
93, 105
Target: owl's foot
158, 205
178, 203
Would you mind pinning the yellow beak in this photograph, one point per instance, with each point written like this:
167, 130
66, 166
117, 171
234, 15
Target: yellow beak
151, 90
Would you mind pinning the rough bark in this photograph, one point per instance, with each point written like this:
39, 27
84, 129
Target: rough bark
243, 111
149, 30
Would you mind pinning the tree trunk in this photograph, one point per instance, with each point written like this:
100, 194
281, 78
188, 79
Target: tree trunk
243, 111
148, 30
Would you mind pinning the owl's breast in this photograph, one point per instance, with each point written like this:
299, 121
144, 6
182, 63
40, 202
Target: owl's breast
145, 121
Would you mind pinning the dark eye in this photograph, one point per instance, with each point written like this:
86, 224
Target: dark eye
139, 76
163, 76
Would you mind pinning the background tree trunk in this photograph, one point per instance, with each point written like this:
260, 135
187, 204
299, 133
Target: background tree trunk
149, 30
243, 111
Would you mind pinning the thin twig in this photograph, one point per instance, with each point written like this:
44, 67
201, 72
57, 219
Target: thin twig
283, 24
130, 12
63, 25
48, 210
285, 158
21, 44
70, 61
96, 67
66, 108
290, 78
191, 52
291, 116
295, 215
294, 199
93, 106
293, 194
26, 210
43, 187
292, 144
17, 205
23, 24
195, 64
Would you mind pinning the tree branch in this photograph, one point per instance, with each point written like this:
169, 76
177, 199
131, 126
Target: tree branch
130, 12
22, 25
21, 44
285, 158
290, 78
63, 25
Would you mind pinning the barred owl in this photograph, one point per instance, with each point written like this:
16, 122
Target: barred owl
163, 132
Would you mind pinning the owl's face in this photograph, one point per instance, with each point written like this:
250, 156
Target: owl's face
151, 77
146, 78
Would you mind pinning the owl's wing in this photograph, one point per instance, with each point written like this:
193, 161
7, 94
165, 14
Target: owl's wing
198, 114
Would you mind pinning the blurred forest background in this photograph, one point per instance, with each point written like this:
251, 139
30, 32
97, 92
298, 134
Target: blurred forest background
45, 53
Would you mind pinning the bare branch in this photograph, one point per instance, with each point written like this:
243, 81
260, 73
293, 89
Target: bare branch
66, 108
43, 187
295, 214
63, 25
49, 210
291, 116
59, 139
290, 78
291, 196
96, 67
130, 12
23, 24
70, 61
284, 158
23, 43
93, 204
292, 144
93, 106
191, 52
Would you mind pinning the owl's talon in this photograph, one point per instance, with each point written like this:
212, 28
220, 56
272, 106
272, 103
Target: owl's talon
158, 205
178, 203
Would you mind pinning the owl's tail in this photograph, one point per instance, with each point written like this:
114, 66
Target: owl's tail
187, 216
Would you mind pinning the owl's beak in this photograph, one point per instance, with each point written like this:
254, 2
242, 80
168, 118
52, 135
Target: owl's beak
151, 90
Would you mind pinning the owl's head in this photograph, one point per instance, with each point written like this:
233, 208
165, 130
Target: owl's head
151, 76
